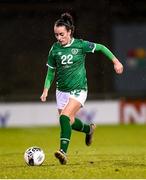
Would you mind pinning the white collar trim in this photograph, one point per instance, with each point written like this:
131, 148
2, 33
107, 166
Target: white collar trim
69, 43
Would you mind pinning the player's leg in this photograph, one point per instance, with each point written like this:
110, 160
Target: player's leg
68, 105
79, 125
66, 116
88, 129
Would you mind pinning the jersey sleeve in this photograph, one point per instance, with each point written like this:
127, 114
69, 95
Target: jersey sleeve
105, 51
49, 78
88, 47
51, 60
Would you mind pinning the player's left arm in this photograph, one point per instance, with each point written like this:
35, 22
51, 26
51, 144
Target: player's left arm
117, 64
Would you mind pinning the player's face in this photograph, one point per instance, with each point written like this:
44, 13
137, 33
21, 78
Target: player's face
62, 35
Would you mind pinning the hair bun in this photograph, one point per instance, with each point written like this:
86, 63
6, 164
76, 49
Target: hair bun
66, 17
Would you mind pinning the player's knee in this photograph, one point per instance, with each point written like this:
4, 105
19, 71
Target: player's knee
71, 117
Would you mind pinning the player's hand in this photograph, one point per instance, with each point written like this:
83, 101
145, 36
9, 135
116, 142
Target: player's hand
118, 66
44, 95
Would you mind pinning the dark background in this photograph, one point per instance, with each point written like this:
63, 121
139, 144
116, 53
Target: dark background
26, 35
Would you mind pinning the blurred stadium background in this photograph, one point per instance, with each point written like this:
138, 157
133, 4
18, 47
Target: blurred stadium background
26, 35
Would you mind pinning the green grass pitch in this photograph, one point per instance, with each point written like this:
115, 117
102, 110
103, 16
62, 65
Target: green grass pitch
117, 152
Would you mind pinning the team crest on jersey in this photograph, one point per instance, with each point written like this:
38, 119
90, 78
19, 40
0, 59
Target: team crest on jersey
74, 51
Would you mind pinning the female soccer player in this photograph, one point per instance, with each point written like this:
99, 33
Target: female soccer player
67, 59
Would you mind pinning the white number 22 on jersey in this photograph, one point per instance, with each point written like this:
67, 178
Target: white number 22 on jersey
66, 59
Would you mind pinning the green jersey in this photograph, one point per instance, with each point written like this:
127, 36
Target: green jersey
69, 62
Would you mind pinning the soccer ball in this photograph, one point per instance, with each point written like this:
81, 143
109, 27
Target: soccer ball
34, 156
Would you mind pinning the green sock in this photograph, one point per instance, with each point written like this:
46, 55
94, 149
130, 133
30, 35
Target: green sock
65, 132
78, 125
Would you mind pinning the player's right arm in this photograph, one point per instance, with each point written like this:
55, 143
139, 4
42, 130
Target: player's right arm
50, 75
48, 81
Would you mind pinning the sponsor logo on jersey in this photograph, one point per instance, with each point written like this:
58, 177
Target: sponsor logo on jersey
59, 53
74, 51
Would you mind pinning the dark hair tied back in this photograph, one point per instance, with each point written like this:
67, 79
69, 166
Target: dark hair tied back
67, 18
67, 21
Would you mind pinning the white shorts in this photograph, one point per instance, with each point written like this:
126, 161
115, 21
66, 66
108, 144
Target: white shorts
62, 98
